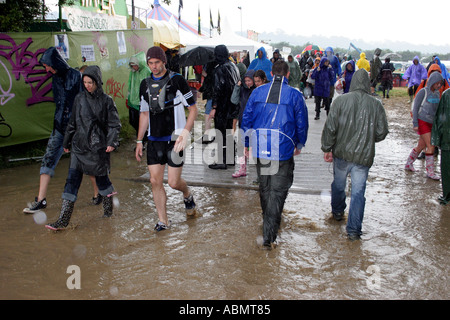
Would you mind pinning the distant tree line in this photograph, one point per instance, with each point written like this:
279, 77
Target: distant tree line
407, 55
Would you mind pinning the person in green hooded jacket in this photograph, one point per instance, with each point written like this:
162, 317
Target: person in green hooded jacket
355, 123
440, 136
296, 74
139, 71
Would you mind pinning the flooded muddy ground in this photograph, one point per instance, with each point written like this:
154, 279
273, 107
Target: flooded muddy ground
403, 254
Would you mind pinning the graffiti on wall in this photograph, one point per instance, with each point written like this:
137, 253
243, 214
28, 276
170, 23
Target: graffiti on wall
115, 89
25, 63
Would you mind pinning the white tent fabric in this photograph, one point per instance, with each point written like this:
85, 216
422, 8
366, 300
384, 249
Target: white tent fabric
233, 41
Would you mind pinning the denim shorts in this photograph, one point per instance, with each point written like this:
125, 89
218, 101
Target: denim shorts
208, 106
53, 153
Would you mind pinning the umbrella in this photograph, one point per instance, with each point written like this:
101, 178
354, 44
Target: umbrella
391, 55
312, 47
197, 56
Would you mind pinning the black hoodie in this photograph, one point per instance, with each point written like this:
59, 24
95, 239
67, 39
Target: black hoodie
66, 84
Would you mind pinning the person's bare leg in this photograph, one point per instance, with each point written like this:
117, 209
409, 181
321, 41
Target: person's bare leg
44, 181
94, 185
159, 193
176, 182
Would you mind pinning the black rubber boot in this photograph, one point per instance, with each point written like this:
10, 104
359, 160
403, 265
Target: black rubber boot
64, 217
107, 206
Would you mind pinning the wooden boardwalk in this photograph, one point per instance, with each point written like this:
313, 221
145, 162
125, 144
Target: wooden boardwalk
311, 176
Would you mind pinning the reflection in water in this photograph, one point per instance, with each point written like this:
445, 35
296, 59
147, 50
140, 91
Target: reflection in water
217, 255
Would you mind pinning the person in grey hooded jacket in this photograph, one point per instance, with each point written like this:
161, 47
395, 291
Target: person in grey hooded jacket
424, 109
92, 134
355, 123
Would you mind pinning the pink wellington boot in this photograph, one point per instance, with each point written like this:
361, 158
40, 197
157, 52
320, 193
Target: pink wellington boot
242, 171
429, 158
411, 158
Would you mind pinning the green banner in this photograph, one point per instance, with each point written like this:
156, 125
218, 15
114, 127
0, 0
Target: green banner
26, 99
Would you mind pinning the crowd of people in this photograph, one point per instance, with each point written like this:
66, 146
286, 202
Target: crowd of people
259, 105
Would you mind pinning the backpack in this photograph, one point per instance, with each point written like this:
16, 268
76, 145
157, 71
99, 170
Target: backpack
157, 92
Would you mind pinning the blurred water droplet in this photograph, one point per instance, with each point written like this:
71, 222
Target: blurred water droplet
116, 202
113, 290
40, 217
325, 195
79, 251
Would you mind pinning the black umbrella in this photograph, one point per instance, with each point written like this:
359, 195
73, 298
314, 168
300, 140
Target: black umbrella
197, 56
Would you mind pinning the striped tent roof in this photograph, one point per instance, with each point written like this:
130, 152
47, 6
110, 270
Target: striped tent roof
162, 14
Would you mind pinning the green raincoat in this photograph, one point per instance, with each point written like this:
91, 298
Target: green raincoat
135, 79
295, 75
440, 136
355, 123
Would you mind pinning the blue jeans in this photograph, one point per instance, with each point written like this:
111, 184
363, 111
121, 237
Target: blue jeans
53, 153
73, 183
358, 174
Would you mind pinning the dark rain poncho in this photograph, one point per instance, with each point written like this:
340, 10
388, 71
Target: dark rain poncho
93, 126
356, 121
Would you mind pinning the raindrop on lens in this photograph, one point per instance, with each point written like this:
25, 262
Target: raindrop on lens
325, 195
79, 251
116, 202
40, 217
113, 290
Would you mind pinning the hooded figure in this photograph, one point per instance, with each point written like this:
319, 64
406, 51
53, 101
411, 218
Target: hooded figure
363, 63
136, 77
92, 133
440, 136
137, 61
355, 142
415, 73
334, 62
66, 83
375, 69
93, 126
348, 75
433, 68
296, 74
426, 102
324, 77
262, 63
226, 75
355, 123
423, 110
445, 73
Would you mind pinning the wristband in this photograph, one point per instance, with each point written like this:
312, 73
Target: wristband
138, 141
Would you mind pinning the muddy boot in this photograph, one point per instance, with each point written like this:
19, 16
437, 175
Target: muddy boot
411, 158
64, 217
107, 206
429, 158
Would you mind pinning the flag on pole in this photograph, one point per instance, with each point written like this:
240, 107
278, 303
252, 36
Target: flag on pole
199, 22
179, 10
211, 20
218, 22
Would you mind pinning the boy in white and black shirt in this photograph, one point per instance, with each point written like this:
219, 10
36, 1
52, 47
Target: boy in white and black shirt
164, 96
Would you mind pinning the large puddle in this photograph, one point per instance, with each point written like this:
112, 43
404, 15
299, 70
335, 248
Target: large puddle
403, 253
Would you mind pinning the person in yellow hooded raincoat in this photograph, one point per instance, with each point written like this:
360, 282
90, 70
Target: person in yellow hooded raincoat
363, 63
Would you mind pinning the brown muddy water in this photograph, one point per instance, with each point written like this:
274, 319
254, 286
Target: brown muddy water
403, 254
